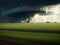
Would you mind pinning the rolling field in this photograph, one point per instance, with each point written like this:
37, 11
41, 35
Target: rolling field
36, 32
32, 26
32, 36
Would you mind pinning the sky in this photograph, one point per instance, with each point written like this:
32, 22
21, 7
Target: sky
16, 3
8, 7
52, 13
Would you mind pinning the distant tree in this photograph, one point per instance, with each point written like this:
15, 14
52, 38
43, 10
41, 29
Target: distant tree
55, 22
47, 22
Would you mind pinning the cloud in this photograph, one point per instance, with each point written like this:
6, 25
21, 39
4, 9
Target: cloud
53, 17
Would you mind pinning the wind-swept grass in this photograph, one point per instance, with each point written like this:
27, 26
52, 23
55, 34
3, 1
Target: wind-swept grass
31, 26
45, 37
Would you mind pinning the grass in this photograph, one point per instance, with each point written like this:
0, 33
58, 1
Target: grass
33, 26
47, 37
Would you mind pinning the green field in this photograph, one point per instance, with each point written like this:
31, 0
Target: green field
6, 30
32, 36
33, 26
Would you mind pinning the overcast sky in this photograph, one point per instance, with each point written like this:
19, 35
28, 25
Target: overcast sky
12, 5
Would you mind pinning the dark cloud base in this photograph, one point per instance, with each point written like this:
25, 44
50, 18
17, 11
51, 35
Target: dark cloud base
6, 5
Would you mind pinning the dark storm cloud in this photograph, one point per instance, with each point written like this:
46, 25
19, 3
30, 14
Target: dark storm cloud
30, 1
6, 5
27, 2
14, 3
10, 6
